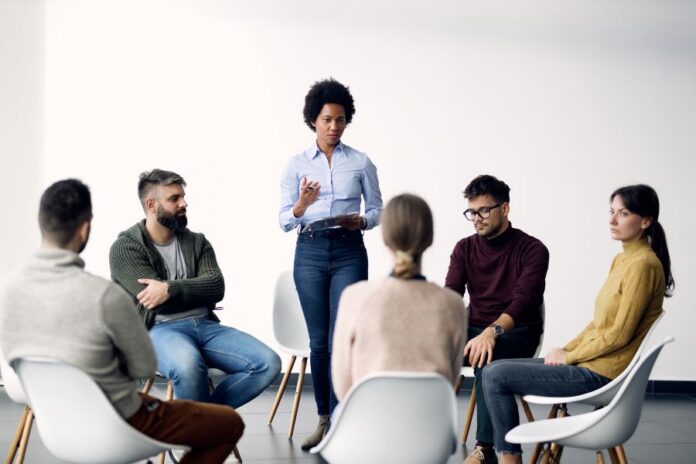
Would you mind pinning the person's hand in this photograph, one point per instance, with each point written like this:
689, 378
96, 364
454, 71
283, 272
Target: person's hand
309, 192
556, 357
480, 348
354, 222
155, 293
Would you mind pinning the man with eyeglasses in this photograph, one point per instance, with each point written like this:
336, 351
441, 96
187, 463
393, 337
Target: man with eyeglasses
504, 271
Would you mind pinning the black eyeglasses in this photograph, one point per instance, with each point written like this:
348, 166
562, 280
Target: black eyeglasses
483, 213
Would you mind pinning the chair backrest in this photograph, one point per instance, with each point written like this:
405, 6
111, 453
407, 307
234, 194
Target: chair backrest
604, 395
617, 422
542, 310
289, 326
76, 421
12, 385
404, 417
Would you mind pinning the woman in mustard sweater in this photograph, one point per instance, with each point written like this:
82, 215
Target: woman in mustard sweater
627, 305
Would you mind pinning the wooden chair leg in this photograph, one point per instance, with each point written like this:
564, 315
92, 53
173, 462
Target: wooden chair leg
469, 413
19, 433
621, 454
539, 447
600, 457
281, 389
546, 455
169, 395
22, 451
298, 395
557, 455
170, 390
236, 454
613, 457
527, 410
148, 385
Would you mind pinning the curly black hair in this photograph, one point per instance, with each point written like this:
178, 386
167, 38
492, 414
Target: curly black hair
327, 91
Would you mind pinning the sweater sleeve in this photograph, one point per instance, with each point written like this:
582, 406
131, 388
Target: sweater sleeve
528, 292
129, 261
456, 274
128, 333
205, 289
637, 289
344, 335
571, 345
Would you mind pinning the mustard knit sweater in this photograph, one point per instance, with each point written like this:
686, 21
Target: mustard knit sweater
627, 305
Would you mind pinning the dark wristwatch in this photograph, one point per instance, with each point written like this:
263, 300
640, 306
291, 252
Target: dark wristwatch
497, 330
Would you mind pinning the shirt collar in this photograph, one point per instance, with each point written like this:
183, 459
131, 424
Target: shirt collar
313, 151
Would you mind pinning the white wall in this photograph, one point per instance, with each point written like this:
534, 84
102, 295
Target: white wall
21, 128
565, 102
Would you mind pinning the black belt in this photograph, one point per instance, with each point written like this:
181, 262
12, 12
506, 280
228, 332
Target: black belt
338, 233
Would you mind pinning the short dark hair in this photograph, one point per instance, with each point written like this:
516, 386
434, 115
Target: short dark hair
63, 207
488, 185
150, 179
323, 92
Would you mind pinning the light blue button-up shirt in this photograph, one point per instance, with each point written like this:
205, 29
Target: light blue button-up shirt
351, 175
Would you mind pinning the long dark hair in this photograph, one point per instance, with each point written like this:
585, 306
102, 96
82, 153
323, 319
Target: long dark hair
642, 199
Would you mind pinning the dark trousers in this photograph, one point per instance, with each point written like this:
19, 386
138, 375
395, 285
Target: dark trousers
326, 262
519, 342
210, 430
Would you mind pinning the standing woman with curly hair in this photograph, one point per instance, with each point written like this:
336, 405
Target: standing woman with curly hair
328, 179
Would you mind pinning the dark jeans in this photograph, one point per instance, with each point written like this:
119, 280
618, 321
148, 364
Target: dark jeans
519, 342
504, 379
326, 262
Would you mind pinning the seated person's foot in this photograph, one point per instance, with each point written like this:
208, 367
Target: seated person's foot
315, 437
482, 455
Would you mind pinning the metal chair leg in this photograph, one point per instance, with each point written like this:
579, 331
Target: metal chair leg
281, 389
298, 395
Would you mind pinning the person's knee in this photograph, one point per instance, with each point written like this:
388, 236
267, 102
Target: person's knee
187, 371
235, 426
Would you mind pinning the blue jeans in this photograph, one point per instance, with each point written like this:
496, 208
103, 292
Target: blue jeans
186, 348
504, 379
326, 262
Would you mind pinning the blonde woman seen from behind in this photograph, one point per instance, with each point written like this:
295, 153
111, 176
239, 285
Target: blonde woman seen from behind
401, 322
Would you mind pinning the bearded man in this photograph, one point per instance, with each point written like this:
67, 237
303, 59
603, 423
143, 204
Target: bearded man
174, 279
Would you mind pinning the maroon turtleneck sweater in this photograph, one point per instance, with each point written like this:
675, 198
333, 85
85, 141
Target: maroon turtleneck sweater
506, 274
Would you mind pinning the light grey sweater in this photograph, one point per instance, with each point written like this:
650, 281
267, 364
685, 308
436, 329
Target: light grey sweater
53, 308
393, 324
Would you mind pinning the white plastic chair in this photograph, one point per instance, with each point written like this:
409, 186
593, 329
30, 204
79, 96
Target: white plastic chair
604, 428
597, 398
18, 446
76, 421
468, 371
290, 331
404, 417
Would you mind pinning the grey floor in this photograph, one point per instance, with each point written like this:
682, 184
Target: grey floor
667, 432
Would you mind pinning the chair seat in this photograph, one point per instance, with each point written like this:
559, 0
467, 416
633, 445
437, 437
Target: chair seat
552, 430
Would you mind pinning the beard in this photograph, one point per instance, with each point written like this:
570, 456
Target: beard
491, 231
172, 221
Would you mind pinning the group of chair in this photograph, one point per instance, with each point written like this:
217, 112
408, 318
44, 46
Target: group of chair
418, 424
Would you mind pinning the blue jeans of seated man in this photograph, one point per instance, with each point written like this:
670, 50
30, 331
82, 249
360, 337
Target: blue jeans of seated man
326, 262
519, 342
504, 379
186, 348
